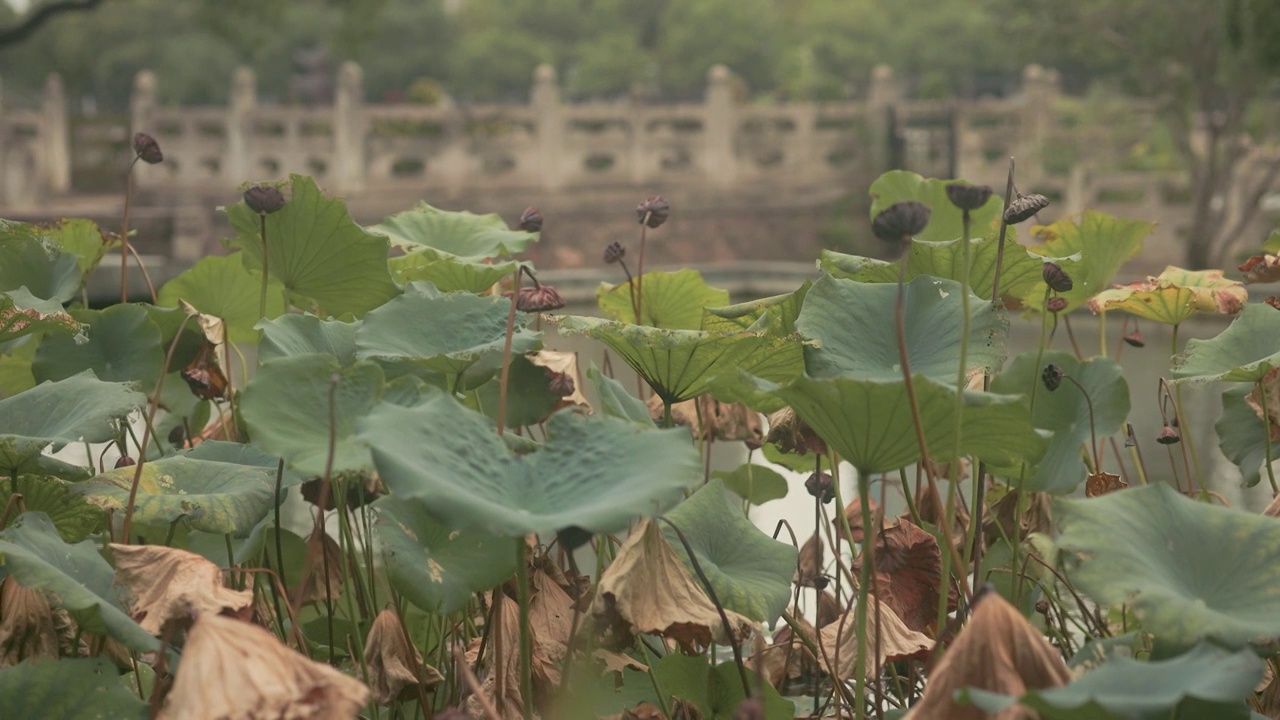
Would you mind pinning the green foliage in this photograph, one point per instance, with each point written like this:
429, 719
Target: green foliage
673, 301
77, 408
124, 346
757, 484
220, 285
945, 220
715, 691
73, 516
1244, 352
84, 689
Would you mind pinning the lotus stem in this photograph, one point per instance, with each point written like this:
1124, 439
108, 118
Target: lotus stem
1093, 434
1188, 442
526, 638
124, 236
864, 588
506, 354
1016, 545
1004, 230
266, 264
639, 296
1266, 434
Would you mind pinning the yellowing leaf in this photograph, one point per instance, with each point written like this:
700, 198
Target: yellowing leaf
1174, 295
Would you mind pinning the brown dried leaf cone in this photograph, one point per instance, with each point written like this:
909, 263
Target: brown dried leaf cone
998, 651
809, 563
792, 435
1270, 386
838, 642
166, 584
648, 590
720, 421
787, 659
506, 624
567, 363
232, 670
908, 565
393, 661
550, 623
321, 549
27, 628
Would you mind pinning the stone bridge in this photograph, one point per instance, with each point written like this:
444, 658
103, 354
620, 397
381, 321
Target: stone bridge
747, 181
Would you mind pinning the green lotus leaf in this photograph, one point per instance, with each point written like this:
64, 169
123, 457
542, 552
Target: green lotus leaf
317, 251
756, 484
595, 473
1174, 296
1206, 683
869, 422
1241, 435
1162, 554
171, 321
671, 300
16, 357
75, 577
124, 346
529, 396
776, 315
304, 334
615, 401
852, 326
219, 285
1065, 413
69, 689
716, 691
23, 314
945, 221
462, 234
211, 496
442, 333
29, 260
447, 272
83, 239
80, 408
1244, 352
1091, 247
750, 572
286, 410
1019, 275
74, 517
434, 567
1272, 243
680, 364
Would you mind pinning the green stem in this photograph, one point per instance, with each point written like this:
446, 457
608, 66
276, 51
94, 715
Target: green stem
1266, 433
649, 660
506, 356
1102, 333
1182, 421
1016, 545
526, 639
266, 259
864, 588
953, 471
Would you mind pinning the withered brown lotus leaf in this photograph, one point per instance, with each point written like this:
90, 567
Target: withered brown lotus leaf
1263, 268
829, 609
506, 618
932, 510
998, 651
550, 623
809, 562
1001, 523
787, 660
792, 435
719, 421
232, 670
1101, 483
393, 661
1270, 386
648, 590
853, 514
888, 639
1273, 508
27, 628
908, 565
321, 569
566, 363
616, 662
166, 584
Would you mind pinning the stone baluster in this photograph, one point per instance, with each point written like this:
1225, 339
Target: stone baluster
883, 95
720, 130
56, 136
236, 165
349, 124
142, 112
548, 118
1039, 95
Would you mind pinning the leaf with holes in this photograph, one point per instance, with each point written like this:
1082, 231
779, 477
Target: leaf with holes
82, 238
23, 314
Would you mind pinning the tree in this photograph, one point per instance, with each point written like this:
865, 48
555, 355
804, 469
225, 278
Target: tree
1210, 62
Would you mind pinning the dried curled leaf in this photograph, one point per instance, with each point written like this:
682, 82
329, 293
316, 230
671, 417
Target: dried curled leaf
565, 363
908, 565
792, 435
1267, 390
27, 629
1174, 295
708, 418
1001, 522
233, 670
506, 624
1263, 268
166, 584
809, 562
321, 569
888, 639
1101, 483
550, 623
648, 590
999, 651
393, 661
788, 664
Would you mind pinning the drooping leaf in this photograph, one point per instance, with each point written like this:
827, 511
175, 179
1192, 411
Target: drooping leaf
776, 315
615, 401
76, 576
1206, 683
221, 286
23, 314
1174, 295
670, 300
1242, 436
70, 689
750, 571
1244, 352
756, 484
444, 333
529, 396
36, 263
853, 329
1065, 412
716, 691
83, 239
317, 251
124, 346
1162, 554
210, 496
303, 334
593, 473
449, 273
172, 321
15, 363
680, 364
462, 234
436, 568
1091, 247
945, 221
78, 408
869, 423
74, 517
1019, 275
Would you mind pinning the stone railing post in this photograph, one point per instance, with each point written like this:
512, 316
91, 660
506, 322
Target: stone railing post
720, 133
349, 130
883, 95
548, 118
1039, 95
142, 110
56, 135
236, 165
637, 141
